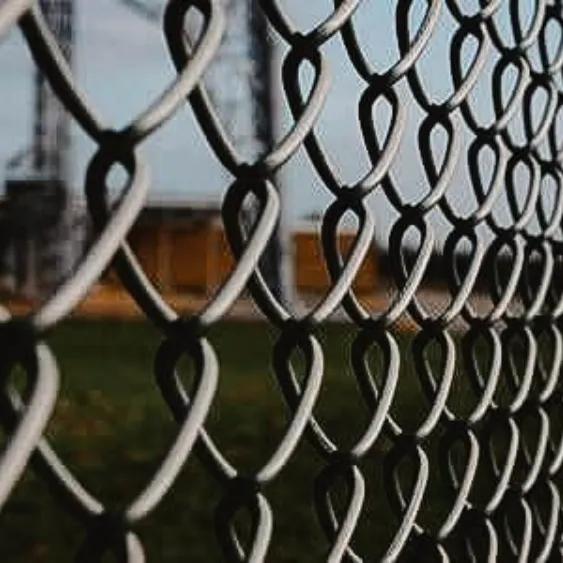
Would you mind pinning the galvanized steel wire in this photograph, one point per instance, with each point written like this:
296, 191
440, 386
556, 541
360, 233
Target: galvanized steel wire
525, 308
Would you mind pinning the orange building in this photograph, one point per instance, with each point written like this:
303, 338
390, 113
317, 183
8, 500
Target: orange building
310, 272
184, 250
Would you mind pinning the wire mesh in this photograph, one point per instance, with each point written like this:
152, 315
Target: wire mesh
496, 323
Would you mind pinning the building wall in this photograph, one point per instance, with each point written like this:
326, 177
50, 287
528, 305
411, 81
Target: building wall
311, 274
195, 258
182, 258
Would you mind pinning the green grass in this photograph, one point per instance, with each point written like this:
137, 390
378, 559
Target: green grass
112, 428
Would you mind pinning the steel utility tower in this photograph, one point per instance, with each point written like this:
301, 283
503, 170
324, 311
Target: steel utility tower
240, 84
38, 237
244, 66
51, 139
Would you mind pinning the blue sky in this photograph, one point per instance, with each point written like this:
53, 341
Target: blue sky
122, 62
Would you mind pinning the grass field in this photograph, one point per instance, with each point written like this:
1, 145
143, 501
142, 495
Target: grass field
112, 427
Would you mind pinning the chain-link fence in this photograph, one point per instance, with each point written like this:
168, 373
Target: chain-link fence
494, 334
